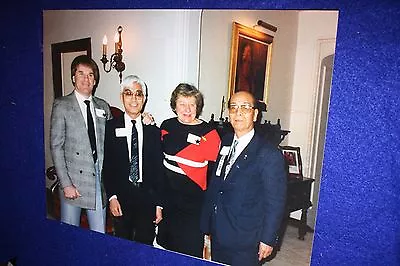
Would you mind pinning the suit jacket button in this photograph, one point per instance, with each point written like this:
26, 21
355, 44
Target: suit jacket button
80, 171
77, 153
221, 192
93, 174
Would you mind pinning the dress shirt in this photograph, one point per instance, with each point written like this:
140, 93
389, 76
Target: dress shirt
243, 141
82, 105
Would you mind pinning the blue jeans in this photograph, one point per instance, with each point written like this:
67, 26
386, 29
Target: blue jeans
71, 214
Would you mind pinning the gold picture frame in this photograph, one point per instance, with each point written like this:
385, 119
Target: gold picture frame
250, 62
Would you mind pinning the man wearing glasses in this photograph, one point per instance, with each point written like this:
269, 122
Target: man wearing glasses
245, 200
133, 171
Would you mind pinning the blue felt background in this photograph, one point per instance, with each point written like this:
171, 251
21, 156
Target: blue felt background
358, 219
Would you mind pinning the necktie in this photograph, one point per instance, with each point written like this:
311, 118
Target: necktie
90, 127
134, 163
231, 157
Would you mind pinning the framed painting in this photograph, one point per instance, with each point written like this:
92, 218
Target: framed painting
293, 160
62, 55
250, 61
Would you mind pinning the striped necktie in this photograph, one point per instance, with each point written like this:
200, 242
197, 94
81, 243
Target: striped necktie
231, 157
134, 163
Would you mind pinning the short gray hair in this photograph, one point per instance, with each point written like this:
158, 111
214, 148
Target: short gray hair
129, 80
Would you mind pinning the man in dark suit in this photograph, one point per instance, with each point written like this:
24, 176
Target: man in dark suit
133, 171
245, 200
76, 141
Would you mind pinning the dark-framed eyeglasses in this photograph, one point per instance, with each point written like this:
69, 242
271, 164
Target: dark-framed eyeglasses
136, 93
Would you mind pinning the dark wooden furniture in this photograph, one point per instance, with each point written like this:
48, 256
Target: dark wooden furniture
298, 198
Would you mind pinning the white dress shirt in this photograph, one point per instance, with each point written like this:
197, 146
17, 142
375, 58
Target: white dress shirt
243, 141
82, 105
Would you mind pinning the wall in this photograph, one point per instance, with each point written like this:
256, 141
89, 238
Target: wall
305, 75
304, 91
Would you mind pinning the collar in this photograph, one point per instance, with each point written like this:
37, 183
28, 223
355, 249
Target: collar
128, 119
82, 98
245, 138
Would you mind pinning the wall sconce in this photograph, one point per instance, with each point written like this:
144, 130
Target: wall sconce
116, 57
267, 25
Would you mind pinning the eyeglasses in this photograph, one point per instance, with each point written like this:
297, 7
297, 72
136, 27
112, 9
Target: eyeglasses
244, 108
129, 94
81, 75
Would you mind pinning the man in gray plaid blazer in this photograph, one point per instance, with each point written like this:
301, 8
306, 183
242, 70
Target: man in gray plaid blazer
78, 162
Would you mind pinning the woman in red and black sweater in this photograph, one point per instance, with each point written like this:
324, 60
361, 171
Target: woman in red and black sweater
189, 144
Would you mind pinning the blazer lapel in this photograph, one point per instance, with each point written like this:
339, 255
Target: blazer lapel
122, 141
248, 155
145, 148
100, 120
76, 113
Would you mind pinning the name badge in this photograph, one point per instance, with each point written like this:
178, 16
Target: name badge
224, 150
220, 164
121, 132
191, 138
100, 112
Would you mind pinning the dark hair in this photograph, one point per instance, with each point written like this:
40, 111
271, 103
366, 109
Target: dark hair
187, 90
85, 60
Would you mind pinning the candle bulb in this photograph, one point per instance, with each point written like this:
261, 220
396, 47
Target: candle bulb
116, 42
105, 45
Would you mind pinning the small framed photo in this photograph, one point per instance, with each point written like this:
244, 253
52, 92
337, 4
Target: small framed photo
293, 160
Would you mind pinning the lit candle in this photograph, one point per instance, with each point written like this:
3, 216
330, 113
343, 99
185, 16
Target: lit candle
116, 42
105, 45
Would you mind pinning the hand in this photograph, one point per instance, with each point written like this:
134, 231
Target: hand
115, 208
70, 192
147, 119
264, 251
158, 215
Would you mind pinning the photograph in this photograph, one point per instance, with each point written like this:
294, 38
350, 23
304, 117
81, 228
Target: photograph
200, 132
217, 58
293, 160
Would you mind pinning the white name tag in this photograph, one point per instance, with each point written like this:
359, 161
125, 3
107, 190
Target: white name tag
121, 132
224, 150
220, 164
191, 138
100, 112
